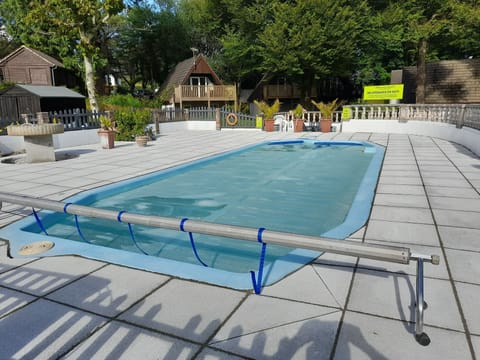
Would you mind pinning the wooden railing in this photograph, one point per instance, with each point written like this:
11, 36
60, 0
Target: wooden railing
457, 114
206, 93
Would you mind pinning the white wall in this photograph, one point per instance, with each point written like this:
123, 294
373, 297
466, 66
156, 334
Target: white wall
468, 137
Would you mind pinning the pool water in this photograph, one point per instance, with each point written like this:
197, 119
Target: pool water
303, 187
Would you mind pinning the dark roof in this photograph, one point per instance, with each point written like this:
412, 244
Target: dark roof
181, 72
47, 91
47, 58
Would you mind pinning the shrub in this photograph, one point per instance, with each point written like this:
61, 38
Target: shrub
131, 122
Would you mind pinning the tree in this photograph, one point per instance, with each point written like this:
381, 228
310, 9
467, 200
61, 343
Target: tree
73, 20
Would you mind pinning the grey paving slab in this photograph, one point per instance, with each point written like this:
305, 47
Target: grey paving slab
460, 238
109, 290
401, 214
44, 330
402, 200
365, 337
215, 354
267, 328
11, 300
318, 284
190, 310
476, 345
409, 233
427, 174
468, 193
400, 189
455, 218
452, 203
122, 341
397, 180
469, 298
393, 295
465, 265
460, 183
48, 274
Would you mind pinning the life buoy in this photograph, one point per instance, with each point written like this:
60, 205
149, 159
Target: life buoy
231, 122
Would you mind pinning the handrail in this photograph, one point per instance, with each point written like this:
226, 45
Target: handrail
344, 247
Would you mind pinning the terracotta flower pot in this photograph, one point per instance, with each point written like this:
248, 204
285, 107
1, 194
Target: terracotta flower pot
298, 125
269, 125
107, 138
325, 125
142, 140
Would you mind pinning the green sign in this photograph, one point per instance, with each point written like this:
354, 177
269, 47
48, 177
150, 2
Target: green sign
346, 113
383, 92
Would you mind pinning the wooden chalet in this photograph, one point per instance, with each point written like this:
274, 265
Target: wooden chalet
29, 66
194, 83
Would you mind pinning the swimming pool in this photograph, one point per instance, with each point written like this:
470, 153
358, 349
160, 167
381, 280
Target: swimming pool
303, 186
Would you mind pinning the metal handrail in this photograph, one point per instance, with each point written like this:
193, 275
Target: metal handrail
344, 247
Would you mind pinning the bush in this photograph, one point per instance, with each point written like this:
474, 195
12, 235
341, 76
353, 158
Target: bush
113, 102
130, 123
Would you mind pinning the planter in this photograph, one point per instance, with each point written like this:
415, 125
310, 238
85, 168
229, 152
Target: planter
34, 129
325, 125
107, 138
142, 140
269, 125
298, 125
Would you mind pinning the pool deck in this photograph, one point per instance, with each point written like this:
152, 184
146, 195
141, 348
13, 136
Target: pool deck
340, 307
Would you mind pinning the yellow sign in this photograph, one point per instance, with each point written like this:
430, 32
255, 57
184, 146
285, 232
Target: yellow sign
346, 113
383, 92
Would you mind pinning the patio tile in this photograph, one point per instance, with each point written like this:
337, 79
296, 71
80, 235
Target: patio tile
408, 233
460, 183
7, 263
454, 218
108, 291
55, 329
396, 180
123, 341
401, 214
476, 345
393, 295
469, 295
468, 193
452, 203
400, 189
11, 300
460, 238
318, 284
419, 201
189, 310
266, 328
368, 337
214, 354
465, 265
48, 274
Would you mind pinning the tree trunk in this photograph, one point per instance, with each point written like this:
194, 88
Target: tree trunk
421, 70
90, 82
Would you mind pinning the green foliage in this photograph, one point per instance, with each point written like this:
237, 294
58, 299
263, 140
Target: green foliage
130, 123
327, 109
298, 112
119, 100
268, 110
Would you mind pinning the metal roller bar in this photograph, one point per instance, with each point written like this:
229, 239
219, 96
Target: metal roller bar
344, 247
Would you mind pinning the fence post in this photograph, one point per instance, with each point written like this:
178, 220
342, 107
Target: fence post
461, 118
156, 117
42, 118
218, 119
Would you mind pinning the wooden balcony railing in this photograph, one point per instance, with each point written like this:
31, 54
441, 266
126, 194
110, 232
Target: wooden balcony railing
208, 94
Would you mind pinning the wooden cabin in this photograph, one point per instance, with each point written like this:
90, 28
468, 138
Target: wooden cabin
194, 83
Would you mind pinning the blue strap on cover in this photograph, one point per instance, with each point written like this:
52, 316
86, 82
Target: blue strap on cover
130, 230
39, 222
77, 224
257, 282
192, 242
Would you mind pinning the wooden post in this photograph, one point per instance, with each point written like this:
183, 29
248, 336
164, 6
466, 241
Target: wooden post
218, 119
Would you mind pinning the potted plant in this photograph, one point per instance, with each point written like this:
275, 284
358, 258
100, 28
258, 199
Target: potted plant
106, 132
326, 112
268, 112
298, 118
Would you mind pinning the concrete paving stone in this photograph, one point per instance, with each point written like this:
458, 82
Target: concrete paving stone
399, 167
48, 274
189, 310
122, 341
364, 337
441, 168
476, 345
468, 193
469, 295
358, 234
11, 300
393, 295
451, 203
461, 183
401, 214
402, 200
460, 238
6, 218
472, 175
435, 271
455, 218
7, 263
317, 284
55, 329
408, 233
407, 173
109, 290
266, 328
400, 189
427, 174
396, 180
214, 354
464, 265
336, 260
